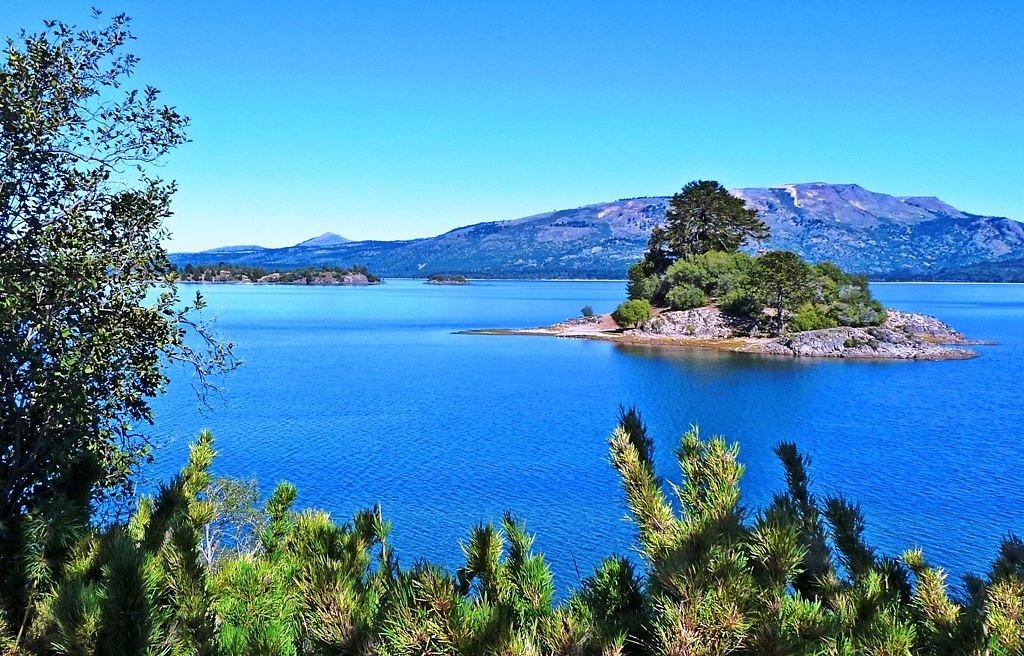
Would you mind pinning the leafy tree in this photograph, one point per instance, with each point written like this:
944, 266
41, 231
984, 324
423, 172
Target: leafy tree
644, 282
705, 217
685, 296
632, 313
782, 281
586, 312
88, 310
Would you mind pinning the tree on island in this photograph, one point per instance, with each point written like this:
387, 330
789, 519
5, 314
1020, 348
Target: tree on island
694, 260
701, 218
782, 281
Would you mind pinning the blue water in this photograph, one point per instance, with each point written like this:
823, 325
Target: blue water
363, 395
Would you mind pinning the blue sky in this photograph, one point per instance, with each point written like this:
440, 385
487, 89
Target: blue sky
394, 120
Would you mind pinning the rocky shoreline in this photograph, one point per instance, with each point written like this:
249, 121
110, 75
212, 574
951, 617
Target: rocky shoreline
903, 336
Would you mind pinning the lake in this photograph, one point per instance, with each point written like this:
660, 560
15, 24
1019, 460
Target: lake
363, 395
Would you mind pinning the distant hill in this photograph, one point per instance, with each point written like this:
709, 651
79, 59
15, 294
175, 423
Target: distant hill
326, 239
1003, 271
236, 249
882, 235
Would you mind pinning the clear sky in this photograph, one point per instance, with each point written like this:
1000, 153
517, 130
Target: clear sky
387, 120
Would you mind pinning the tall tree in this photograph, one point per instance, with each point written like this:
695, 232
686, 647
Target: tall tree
783, 281
704, 217
89, 313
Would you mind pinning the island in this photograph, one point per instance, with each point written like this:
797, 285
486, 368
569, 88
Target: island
234, 274
695, 287
446, 279
901, 336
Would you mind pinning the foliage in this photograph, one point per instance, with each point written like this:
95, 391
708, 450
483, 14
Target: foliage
644, 283
586, 311
810, 297
741, 302
88, 309
632, 313
847, 297
713, 577
783, 282
684, 296
811, 316
701, 218
697, 250
715, 273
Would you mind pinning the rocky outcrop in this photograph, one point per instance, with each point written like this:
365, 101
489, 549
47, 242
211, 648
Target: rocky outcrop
698, 323
903, 336
879, 342
925, 327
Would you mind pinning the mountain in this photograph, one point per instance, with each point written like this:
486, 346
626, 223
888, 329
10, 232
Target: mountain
326, 239
860, 230
236, 249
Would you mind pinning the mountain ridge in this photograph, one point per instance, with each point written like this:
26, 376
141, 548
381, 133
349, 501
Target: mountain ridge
861, 230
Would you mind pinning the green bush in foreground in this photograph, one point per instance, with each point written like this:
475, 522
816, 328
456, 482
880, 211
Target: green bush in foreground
713, 577
632, 313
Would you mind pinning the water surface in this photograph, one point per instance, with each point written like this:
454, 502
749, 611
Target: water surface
360, 395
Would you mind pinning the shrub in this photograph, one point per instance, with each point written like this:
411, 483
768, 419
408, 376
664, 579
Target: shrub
741, 302
587, 311
857, 308
847, 297
632, 312
714, 273
811, 316
685, 296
